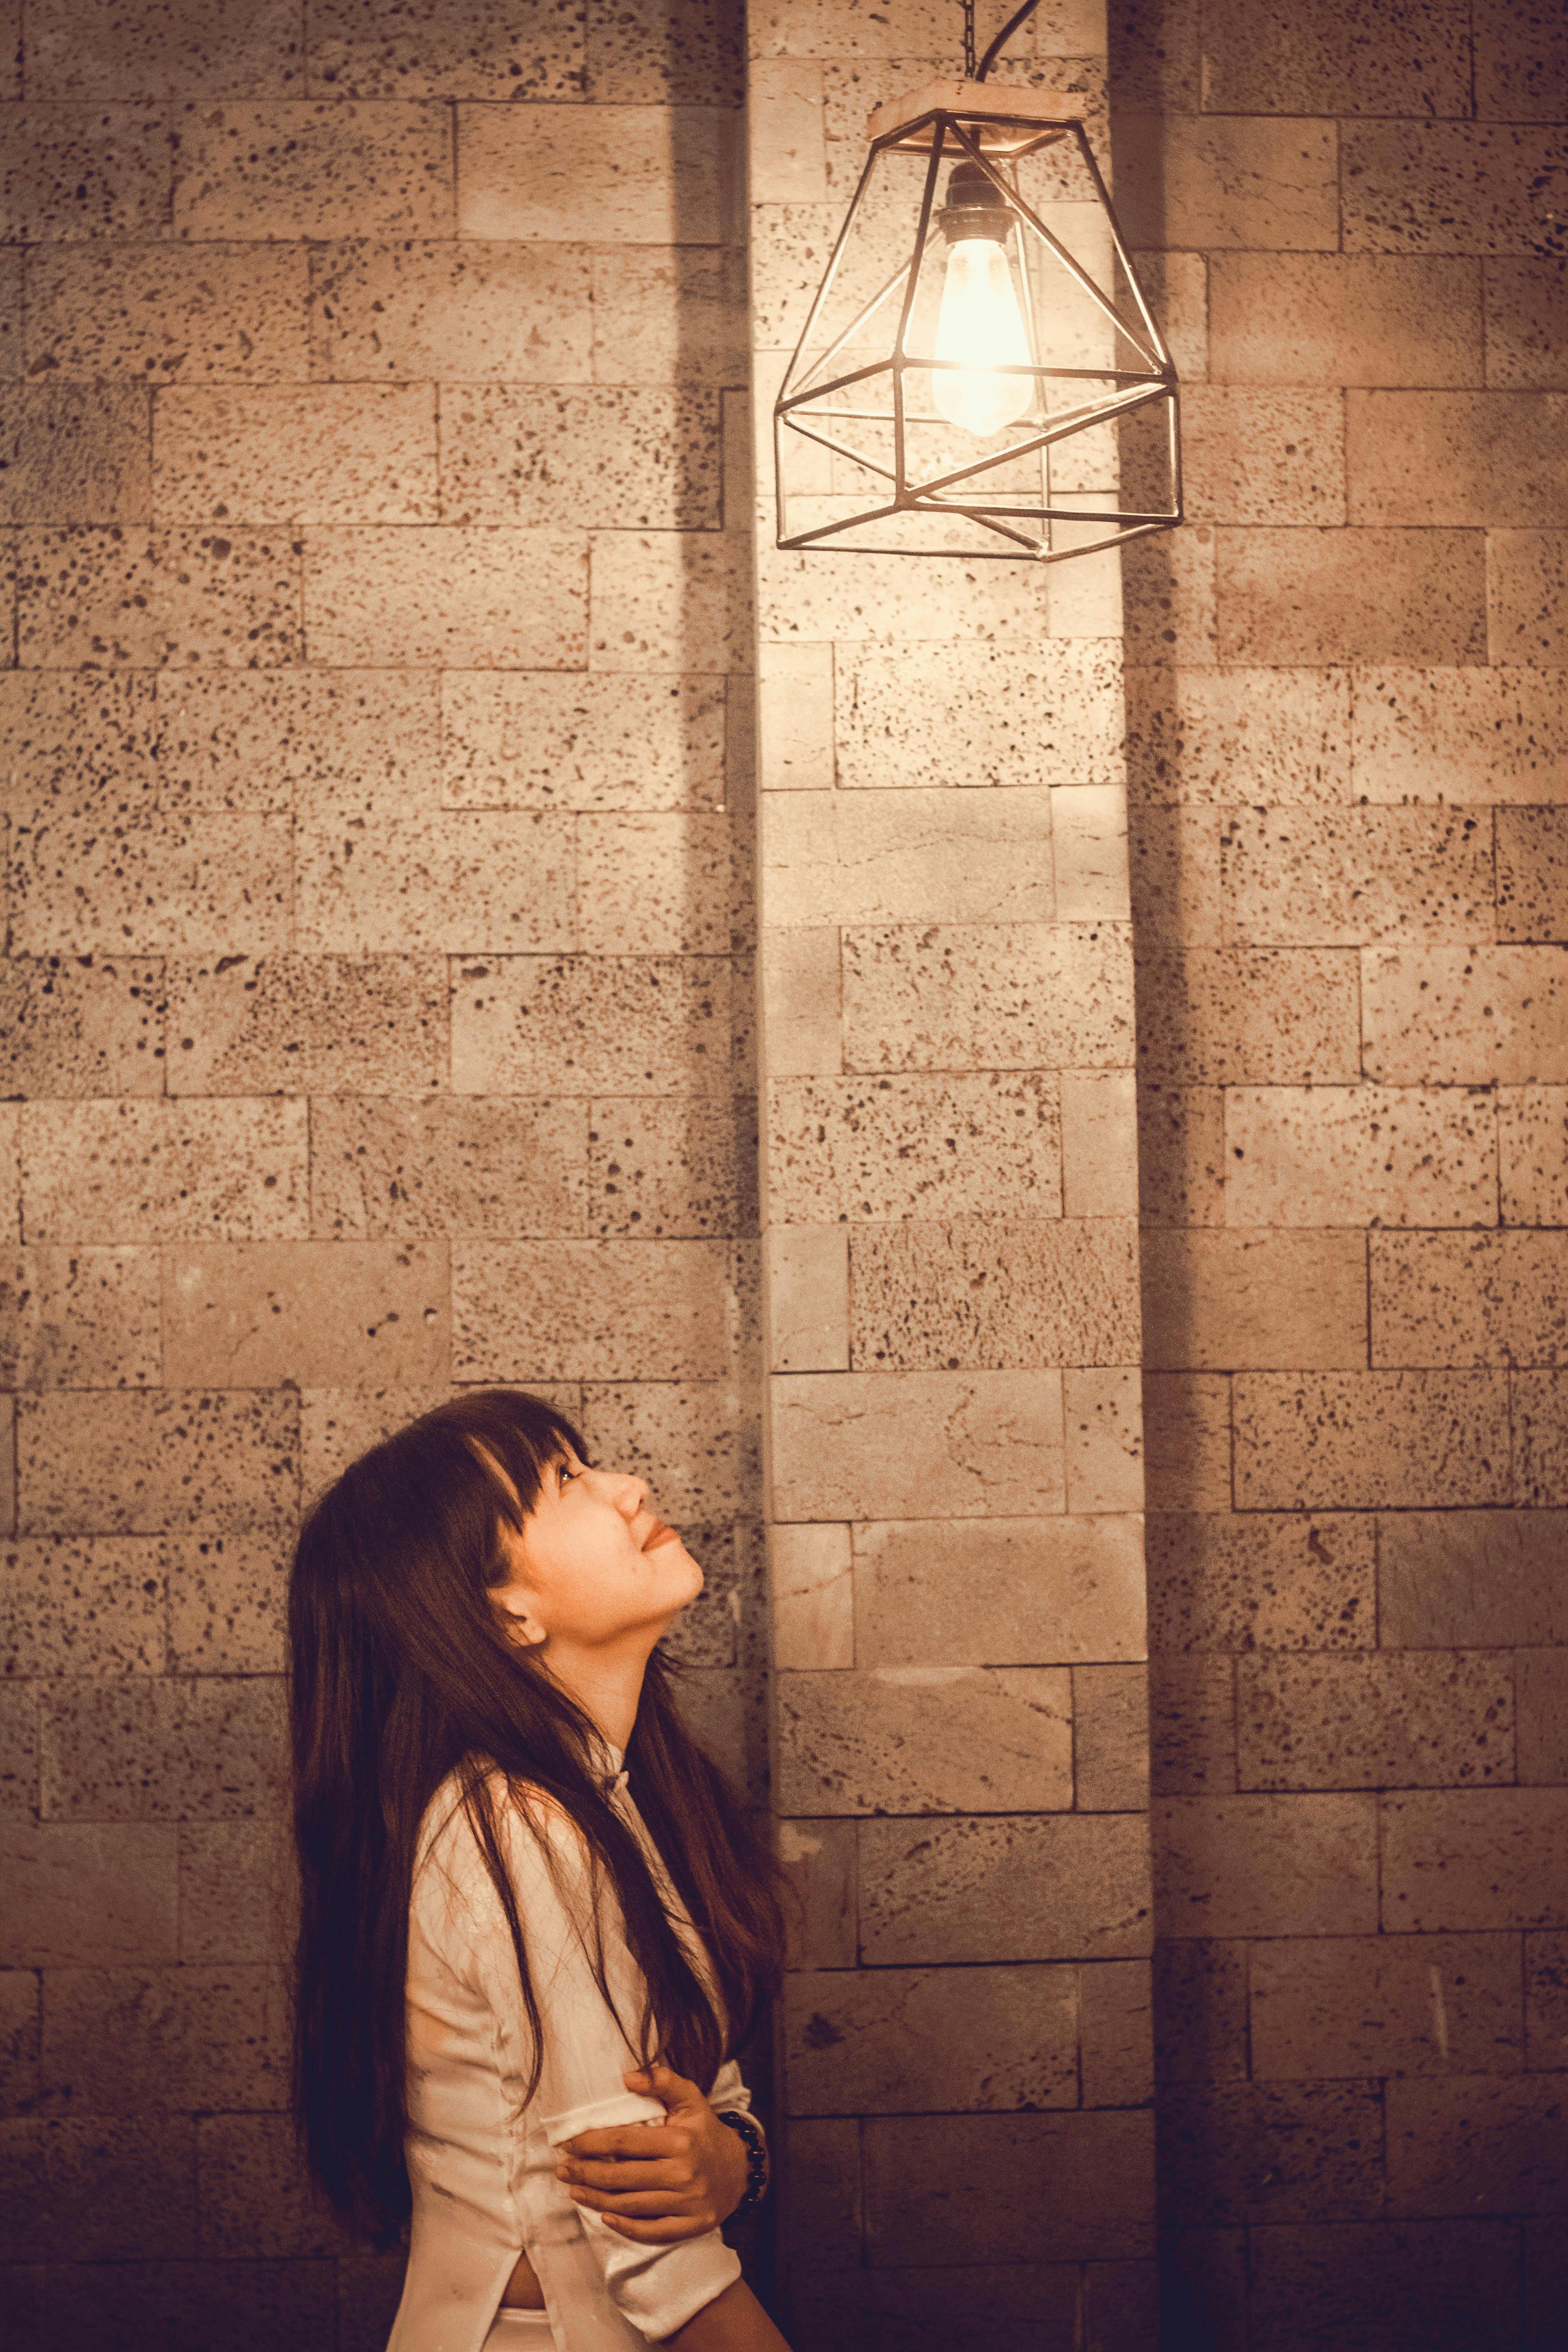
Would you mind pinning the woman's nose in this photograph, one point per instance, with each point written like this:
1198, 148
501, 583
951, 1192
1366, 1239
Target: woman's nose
632, 1494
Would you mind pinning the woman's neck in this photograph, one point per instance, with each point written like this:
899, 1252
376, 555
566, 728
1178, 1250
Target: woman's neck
607, 1683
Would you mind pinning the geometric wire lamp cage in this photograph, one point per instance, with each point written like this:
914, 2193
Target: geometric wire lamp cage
980, 375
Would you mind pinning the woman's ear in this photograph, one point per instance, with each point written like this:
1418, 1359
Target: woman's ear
518, 1623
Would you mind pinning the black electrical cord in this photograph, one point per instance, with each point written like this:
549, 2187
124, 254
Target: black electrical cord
1020, 16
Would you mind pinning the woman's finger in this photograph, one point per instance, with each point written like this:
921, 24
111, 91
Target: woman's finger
619, 2177
632, 2140
658, 2233
642, 2205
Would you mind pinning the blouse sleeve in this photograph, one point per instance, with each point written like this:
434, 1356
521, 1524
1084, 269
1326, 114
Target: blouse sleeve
585, 2050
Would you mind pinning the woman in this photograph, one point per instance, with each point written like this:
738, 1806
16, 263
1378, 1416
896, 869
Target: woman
513, 1973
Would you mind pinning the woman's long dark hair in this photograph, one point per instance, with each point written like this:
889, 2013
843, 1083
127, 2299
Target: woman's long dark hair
400, 1674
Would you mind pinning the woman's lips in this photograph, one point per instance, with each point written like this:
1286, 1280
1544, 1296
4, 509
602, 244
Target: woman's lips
661, 1535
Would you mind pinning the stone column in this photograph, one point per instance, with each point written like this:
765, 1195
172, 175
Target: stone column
954, 1470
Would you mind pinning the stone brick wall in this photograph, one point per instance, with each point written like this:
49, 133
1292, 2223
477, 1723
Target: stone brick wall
948, 1213
377, 994
1347, 764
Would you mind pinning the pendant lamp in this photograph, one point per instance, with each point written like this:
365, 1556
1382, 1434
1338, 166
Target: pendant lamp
980, 374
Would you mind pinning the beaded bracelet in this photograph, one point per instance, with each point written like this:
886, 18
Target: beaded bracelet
751, 2132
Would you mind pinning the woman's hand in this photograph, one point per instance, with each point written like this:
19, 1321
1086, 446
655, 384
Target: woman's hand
659, 2182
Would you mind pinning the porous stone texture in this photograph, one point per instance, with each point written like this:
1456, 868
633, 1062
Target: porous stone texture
375, 739
1348, 773
948, 1201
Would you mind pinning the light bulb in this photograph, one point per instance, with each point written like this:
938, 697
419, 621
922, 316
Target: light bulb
980, 323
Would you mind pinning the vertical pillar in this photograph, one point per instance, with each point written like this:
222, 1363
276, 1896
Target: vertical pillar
955, 1478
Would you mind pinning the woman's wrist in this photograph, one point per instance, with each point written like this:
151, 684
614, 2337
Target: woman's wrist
749, 2133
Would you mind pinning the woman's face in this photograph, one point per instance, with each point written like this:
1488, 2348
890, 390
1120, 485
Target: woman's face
591, 1563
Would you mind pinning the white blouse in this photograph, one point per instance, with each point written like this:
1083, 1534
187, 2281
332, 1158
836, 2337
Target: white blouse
481, 2159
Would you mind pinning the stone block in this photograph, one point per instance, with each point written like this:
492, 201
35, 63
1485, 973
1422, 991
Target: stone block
340, 745
1191, 1726
1041, 714
1263, 456
314, 1313
1186, 1440
885, 2042
659, 883
81, 170
612, 1025
78, 743
1539, 1439
792, 245
1175, 877
143, 600
1089, 853
1458, 735
1176, 288
998, 1592
237, 1890
1200, 2010
1540, 1679
75, 453
1111, 1740
1268, 1017
329, 454
667, 314
1371, 1441
925, 1740
794, 713
608, 175
178, 51
154, 1172
125, 2041
1357, 876
18, 1749
330, 1026
531, 740
1386, 1155
1258, 2152
1169, 613
1420, 458
884, 597
1100, 1144
79, 1319
1102, 1409
1239, 1301
519, 1314
1473, 2147
474, 314
1212, 183
1532, 874
462, 49
19, 2004
457, 882
84, 1605
906, 857
1545, 2002
648, 459
298, 168
1209, 736
893, 1147
1289, 1583
440, 598
156, 1751
1526, 345
115, 2189
808, 1279
693, 1442
1071, 2187
1345, 57
255, 2197
151, 887
937, 1445
337, 1425
1457, 1580
1344, 318
1040, 1887
1406, 1720
1365, 594
1457, 1861
991, 1293
1116, 2044
1446, 188
1476, 1016
161, 315
83, 1025
819, 1862
1527, 596
801, 997
1008, 996
138, 1462
1388, 2281
1266, 1865
665, 602
823, 2212
811, 1584
1470, 1298
1181, 1155
227, 1603
88, 1893
402, 1167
